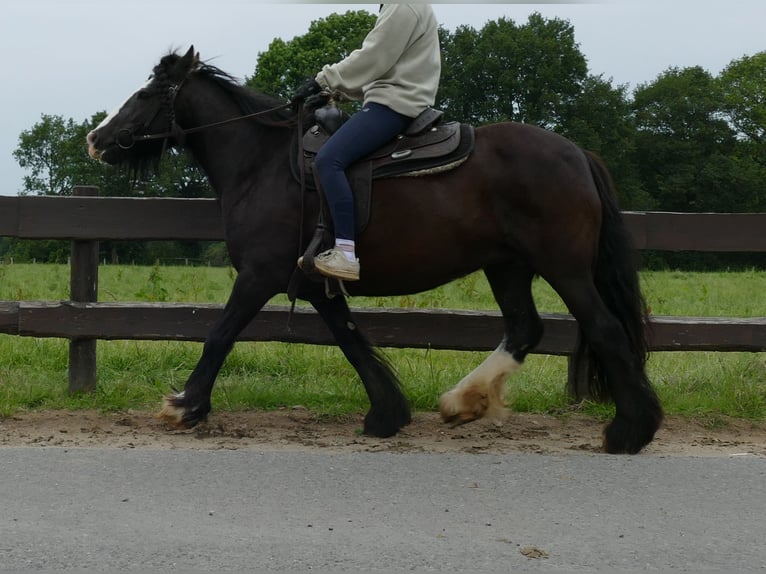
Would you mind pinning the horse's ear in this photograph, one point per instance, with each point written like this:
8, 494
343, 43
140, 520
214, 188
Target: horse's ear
190, 59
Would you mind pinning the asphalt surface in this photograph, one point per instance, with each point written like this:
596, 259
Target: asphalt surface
246, 511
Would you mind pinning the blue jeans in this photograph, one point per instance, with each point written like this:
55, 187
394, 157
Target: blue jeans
363, 133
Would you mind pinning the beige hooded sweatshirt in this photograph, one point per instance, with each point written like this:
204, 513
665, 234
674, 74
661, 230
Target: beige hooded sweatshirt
398, 65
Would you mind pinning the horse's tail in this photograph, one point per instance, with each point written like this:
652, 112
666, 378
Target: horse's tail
616, 274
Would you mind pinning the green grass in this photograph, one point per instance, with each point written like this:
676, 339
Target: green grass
134, 374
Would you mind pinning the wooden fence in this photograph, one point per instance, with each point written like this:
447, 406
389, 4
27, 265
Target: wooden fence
85, 219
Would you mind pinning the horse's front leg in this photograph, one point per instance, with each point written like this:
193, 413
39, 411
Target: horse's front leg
192, 405
389, 410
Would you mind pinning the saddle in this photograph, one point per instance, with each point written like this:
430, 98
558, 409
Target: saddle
426, 147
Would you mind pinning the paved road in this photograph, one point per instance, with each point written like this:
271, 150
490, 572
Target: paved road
246, 511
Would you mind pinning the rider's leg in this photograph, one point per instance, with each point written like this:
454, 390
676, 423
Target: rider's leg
365, 132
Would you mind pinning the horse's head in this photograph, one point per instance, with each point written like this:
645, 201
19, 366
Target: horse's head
138, 131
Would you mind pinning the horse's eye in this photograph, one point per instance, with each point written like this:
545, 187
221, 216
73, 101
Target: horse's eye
143, 94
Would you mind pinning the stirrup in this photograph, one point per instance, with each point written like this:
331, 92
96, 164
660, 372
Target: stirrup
329, 291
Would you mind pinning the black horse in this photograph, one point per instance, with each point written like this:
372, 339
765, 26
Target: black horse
526, 202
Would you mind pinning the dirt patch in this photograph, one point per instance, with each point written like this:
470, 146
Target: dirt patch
298, 429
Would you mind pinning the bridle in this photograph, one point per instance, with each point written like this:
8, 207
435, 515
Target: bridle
126, 138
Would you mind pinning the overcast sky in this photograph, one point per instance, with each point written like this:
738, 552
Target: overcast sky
74, 58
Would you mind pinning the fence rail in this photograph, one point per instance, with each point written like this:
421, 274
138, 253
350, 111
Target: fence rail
128, 218
397, 328
85, 219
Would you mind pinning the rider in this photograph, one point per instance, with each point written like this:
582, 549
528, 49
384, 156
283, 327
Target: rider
396, 74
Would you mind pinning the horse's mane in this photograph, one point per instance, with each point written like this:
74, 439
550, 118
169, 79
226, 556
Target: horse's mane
247, 99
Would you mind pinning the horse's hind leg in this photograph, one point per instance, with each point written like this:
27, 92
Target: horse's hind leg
389, 410
481, 392
638, 412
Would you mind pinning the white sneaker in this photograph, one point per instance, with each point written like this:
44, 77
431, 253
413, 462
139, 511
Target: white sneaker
334, 263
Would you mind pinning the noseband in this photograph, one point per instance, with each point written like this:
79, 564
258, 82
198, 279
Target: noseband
126, 139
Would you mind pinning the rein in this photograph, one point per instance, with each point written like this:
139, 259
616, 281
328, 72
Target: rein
176, 131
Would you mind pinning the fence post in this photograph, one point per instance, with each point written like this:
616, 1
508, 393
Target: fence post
83, 288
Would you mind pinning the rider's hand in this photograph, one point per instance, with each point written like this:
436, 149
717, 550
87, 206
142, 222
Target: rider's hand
309, 88
317, 101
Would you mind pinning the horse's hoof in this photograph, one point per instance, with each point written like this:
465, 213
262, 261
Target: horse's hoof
623, 436
172, 412
461, 406
175, 414
383, 425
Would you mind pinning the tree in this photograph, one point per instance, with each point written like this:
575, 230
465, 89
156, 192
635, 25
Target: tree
526, 73
285, 65
599, 119
683, 145
54, 151
743, 86
458, 95
48, 151
535, 73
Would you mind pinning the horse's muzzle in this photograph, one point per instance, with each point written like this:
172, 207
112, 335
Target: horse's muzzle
93, 151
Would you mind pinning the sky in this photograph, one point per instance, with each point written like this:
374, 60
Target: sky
74, 58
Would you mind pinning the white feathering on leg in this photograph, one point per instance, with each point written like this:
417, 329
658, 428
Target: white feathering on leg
481, 392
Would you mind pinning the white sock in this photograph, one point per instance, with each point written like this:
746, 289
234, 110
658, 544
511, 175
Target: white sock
348, 247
